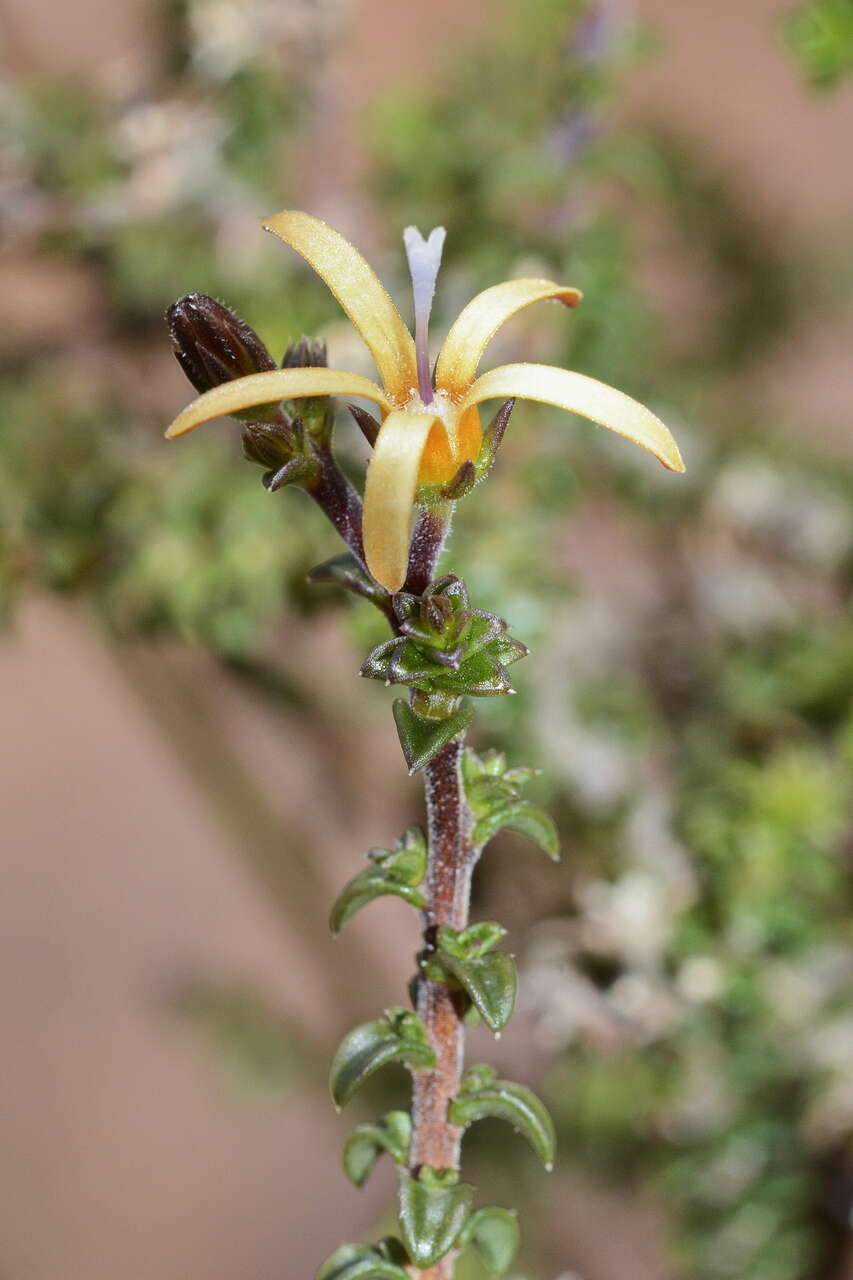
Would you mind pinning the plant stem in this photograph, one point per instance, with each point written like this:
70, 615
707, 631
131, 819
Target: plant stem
431, 529
339, 501
435, 1141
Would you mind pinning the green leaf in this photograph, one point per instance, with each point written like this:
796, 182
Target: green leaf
363, 888
480, 676
491, 981
360, 1262
470, 943
473, 765
506, 650
432, 1215
524, 818
483, 1095
369, 1141
494, 1233
398, 1037
422, 737
482, 630
395, 871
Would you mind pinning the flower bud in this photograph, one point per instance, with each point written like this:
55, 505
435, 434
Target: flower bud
307, 353
271, 444
212, 344
317, 412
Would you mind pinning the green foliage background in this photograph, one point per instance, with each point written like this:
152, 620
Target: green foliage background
692, 981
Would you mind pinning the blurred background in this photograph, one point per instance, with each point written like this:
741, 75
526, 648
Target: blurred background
190, 767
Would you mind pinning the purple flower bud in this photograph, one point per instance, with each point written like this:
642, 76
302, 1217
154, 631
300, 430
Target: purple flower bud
212, 344
307, 353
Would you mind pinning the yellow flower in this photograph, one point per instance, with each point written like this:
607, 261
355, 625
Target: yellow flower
429, 427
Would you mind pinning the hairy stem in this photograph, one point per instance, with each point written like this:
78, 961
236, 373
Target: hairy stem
339, 501
435, 1141
431, 529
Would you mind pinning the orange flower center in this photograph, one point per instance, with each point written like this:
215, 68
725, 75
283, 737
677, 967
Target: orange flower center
455, 438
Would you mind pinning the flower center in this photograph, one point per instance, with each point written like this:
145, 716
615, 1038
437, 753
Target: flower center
455, 438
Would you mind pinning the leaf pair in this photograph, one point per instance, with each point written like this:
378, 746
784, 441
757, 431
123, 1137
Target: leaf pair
435, 1216
434, 1207
488, 977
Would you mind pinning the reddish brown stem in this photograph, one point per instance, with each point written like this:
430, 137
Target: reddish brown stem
435, 1141
337, 498
431, 529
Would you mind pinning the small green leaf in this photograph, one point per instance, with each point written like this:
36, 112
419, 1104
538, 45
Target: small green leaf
409, 665
398, 1037
521, 775
396, 871
361, 1262
482, 630
422, 737
494, 1232
363, 888
369, 1141
483, 1095
375, 665
491, 981
470, 943
506, 650
480, 676
432, 1216
521, 817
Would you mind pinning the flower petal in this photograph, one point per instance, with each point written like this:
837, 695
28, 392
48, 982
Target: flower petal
360, 293
580, 394
478, 323
389, 493
267, 388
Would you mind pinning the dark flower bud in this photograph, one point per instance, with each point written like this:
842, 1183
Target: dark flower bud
271, 444
307, 353
317, 412
212, 344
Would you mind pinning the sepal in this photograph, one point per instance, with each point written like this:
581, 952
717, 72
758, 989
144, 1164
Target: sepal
368, 1142
397, 871
384, 1261
434, 1208
422, 737
494, 1233
400, 1036
366, 423
483, 1095
493, 439
494, 795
